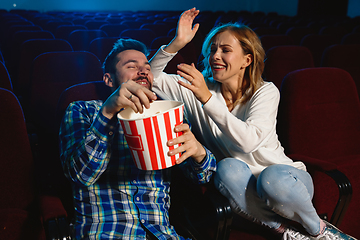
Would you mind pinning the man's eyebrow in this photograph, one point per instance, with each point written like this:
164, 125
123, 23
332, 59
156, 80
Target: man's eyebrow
135, 61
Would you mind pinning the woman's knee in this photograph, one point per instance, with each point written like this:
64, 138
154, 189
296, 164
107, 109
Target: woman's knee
231, 170
282, 179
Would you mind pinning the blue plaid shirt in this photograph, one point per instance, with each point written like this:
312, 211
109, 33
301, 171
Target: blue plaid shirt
113, 198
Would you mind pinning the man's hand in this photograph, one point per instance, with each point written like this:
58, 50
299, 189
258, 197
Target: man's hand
189, 147
129, 94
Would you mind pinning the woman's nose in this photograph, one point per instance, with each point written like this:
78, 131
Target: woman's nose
216, 55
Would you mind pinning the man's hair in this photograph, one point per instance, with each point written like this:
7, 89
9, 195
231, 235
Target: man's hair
109, 65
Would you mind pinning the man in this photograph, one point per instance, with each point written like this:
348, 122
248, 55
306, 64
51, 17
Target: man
114, 199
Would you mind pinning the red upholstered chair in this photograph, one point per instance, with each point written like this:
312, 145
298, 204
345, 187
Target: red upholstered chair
145, 36
345, 57
318, 123
171, 67
283, 59
86, 91
23, 213
53, 25
102, 46
19, 38
298, 32
269, 41
95, 24
96, 90
132, 23
114, 30
52, 73
63, 31
1, 57
351, 38
317, 43
81, 39
159, 41
260, 31
29, 50
160, 29
5, 80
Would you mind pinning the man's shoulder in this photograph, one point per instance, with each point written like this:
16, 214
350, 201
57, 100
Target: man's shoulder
87, 104
85, 107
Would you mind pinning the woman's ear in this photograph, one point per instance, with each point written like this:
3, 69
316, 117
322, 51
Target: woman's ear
108, 80
248, 60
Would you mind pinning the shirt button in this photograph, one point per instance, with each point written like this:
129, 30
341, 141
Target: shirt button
111, 133
134, 181
143, 221
137, 199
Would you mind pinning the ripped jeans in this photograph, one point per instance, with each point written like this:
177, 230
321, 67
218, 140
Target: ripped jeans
280, 191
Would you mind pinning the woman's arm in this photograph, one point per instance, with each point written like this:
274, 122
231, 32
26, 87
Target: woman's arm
184, 34
250, 127
185, 31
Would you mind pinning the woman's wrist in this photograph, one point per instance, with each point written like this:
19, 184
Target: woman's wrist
174, 46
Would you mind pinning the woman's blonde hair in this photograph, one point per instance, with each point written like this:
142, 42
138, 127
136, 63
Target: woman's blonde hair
251, 44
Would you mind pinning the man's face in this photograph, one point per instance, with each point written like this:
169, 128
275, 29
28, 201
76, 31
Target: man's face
133, 65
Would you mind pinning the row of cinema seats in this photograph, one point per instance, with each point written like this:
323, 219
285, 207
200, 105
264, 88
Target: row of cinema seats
57, 77
306, 128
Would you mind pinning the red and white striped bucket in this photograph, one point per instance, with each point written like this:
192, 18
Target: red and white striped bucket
147, 133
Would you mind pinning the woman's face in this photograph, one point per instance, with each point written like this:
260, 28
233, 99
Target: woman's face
227, 59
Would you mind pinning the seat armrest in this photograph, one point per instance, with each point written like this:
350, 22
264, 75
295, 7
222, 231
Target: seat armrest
341, 180
54, 218
224, 214
313, 163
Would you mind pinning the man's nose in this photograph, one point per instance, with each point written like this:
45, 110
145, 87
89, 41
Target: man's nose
143, 71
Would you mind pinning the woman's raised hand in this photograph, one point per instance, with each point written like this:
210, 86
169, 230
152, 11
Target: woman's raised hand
185, 31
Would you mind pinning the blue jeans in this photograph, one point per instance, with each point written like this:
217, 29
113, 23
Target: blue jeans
280, 191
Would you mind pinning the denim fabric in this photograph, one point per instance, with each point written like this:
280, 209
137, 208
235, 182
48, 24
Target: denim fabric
281, 191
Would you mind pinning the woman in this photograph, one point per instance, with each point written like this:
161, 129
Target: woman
234, 111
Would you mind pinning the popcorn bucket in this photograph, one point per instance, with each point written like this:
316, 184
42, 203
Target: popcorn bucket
147, 133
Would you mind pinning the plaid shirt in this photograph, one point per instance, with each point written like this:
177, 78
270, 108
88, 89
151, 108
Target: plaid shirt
114, 199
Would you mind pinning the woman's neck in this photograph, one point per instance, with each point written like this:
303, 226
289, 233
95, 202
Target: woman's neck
231, 95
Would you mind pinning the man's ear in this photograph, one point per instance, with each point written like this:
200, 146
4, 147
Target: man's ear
108, 80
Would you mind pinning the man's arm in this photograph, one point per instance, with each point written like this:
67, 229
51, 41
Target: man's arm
85, 139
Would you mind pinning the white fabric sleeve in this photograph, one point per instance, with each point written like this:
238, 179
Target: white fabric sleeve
259, 118
159, 61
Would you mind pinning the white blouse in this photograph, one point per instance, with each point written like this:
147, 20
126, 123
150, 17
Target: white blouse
247, 133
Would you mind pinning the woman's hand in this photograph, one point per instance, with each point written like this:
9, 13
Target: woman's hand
196, 83
185, 31
189, 147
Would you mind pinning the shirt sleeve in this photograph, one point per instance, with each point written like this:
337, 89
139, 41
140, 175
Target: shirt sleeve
159, 61
250, 128
85, 140
199, 172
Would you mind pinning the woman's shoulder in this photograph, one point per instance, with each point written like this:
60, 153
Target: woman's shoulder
268, 87
267, 91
